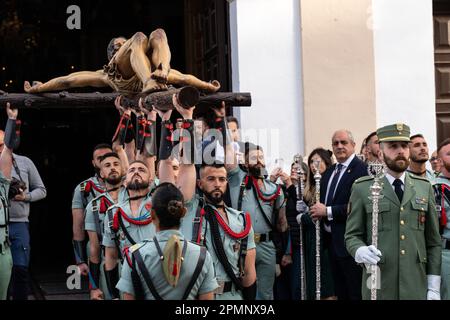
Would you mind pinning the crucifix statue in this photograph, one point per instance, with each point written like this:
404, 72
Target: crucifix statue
139, 64
138, 67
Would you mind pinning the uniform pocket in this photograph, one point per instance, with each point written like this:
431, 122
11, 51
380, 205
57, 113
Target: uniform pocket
419, 213
384, 216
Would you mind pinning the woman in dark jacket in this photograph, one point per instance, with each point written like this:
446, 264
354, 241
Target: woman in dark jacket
309, 231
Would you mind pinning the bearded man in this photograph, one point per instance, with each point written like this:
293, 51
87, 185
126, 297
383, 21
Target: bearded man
252, 191
418, 157
128, 222
409, 245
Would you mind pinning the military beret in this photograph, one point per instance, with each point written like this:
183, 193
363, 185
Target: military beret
394, 132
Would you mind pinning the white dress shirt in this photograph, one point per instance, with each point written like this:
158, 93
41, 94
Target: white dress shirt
345, 165
391, 180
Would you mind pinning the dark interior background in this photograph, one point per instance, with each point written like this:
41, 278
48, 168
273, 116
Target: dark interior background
35, 44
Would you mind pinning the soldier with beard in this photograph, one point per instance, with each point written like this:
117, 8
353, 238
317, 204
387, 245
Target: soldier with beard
251, 191
111, 172
372, 147
418, 156
83, 194
409, 245
128, 222
226, 233
442, 193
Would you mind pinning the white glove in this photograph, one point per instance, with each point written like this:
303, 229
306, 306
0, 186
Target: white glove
301, 207
434, 287
367, 255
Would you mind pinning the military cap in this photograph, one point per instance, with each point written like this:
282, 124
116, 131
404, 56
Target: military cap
394, 132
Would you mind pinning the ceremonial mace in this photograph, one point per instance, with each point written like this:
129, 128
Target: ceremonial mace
317, 177
376, 171
300, 188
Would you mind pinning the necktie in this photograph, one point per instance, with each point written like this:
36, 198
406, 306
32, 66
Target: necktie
333, 185
398, 189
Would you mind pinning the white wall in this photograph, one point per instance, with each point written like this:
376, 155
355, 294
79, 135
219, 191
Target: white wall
266, 61
404, 65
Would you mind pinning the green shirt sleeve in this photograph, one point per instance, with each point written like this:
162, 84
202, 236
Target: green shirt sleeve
251, 240
209, 282
77, 200
355, 231
432, 237
125, 283
89, 222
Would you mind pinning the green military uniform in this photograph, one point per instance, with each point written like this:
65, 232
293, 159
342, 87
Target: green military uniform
82, 195
138, 229
86, 191
5, 252
408, 232
205, 282
94, 221
442, 192
265, 248
230, 245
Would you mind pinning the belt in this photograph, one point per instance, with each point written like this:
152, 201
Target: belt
263, 237
224, 286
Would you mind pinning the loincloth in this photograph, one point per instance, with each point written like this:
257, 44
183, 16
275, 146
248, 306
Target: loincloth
119, 84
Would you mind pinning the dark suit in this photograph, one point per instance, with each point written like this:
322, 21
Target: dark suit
346, 273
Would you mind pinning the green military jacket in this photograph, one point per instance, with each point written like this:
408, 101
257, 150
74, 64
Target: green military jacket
408, 237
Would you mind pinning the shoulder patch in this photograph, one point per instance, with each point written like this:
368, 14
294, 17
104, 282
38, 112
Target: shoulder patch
135, 247
365, 178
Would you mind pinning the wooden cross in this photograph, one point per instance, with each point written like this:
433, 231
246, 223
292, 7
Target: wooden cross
188, 96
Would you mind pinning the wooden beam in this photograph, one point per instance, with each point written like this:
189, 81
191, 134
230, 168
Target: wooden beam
162, 100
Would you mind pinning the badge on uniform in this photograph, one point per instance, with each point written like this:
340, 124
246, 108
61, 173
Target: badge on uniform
236, 246
422, 218
421, 200
148, 206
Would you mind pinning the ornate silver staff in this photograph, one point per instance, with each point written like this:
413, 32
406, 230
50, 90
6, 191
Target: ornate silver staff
300, 203
376, 171
317, 177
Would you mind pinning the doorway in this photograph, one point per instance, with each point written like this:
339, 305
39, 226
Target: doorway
35, 44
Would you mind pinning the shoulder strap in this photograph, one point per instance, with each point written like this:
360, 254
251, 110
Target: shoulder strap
263, 213
197, 223
125, 231
113, 232
16, 168
243, 252
140, 264
195, 275
97, 220
218, 247
244, 185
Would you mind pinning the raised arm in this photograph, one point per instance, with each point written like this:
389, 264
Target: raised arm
187, 176
10, 141
74, 80
165, 169
146, 138
119, 138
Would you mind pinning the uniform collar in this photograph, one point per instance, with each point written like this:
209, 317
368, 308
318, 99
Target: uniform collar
391, 178
165, 235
